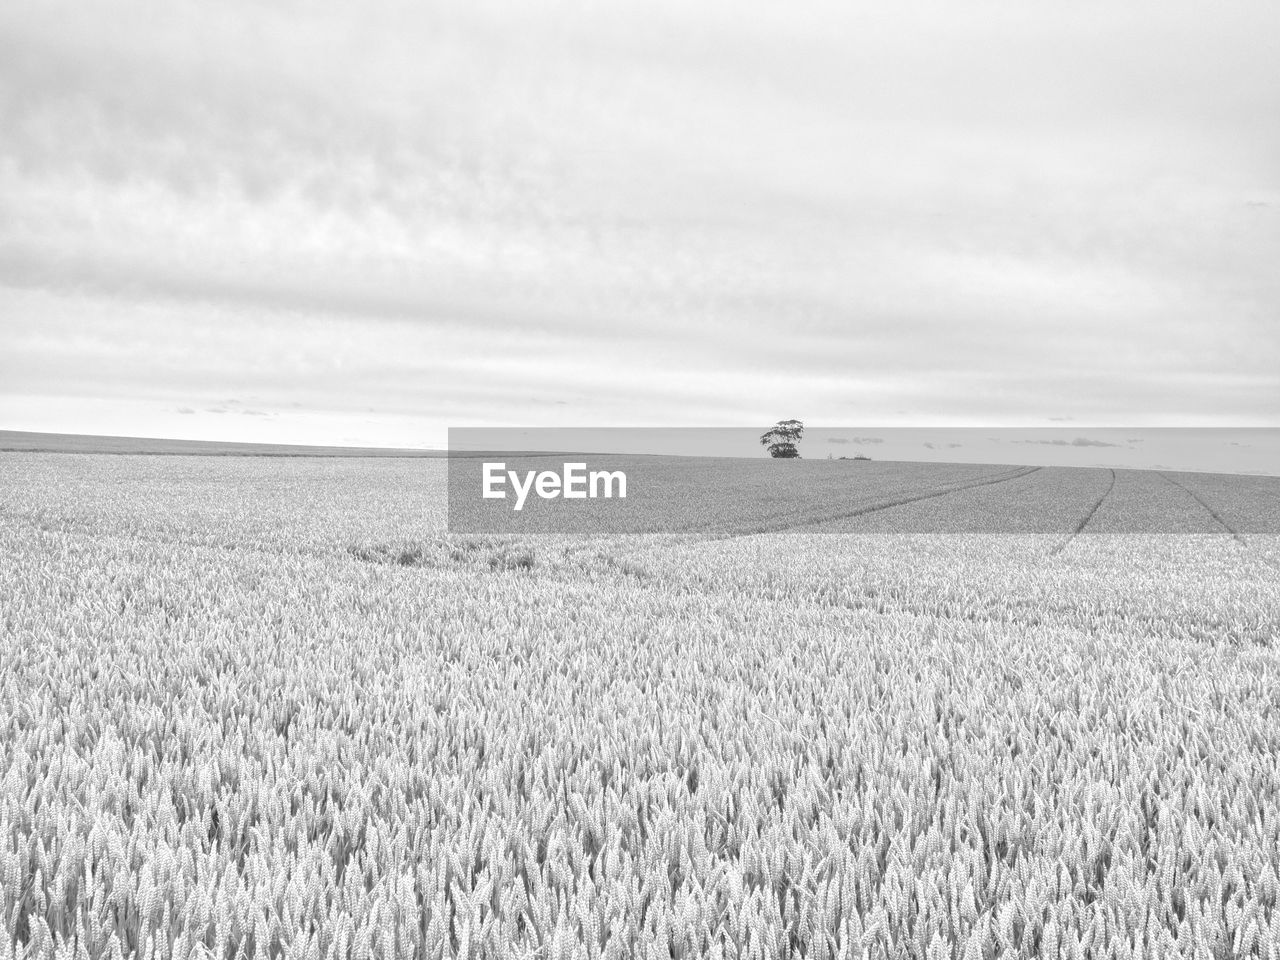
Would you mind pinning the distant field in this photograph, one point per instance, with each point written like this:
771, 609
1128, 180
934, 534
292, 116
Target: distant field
24, 441
262, 707
742, 497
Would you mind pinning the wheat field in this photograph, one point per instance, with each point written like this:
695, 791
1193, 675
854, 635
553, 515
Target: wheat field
272, 709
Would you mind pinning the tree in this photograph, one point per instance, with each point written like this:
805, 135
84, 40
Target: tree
782, 437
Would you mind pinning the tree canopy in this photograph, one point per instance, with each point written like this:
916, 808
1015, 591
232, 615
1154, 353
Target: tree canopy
782, 437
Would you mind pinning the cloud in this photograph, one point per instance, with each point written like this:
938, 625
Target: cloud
1077, 442
858, 440
185, 411
1062, 418
1086, 442
539, 195
254, 413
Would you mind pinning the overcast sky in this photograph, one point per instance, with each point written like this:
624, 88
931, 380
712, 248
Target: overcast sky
364, 223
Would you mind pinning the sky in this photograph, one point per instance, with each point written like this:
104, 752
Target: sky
366, 223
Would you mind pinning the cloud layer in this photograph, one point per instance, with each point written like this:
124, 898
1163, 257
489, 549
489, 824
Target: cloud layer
373, 222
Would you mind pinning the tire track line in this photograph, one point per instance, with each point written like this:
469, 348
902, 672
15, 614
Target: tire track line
889, 504
1084, 521
1212, 512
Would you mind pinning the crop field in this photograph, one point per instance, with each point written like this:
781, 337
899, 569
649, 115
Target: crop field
270, 707
722, 497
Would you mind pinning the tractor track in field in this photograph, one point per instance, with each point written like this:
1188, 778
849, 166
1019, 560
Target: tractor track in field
1084, 521
1212, 512
876, 507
